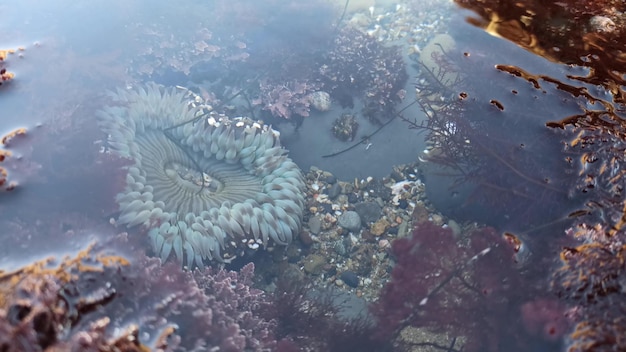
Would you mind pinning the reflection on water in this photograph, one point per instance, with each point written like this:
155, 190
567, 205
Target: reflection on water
441, 158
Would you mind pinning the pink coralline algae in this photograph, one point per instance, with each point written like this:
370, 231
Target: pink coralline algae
286, 99
97, 301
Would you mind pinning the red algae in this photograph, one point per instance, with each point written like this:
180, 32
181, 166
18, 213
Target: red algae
469, 287
584, 40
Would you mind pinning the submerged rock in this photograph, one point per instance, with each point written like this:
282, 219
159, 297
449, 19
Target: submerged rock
350, 220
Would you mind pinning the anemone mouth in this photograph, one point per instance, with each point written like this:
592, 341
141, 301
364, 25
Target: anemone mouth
205, 189
190, 182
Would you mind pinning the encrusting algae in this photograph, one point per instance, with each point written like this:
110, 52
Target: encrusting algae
43, 303
4, 74
4, 174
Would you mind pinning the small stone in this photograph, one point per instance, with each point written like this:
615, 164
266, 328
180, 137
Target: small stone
368, 211
326, 208
305, 238
383, 244
342, 199
354, 197
313, 210
320, 100
330, 179
314, 264
340, 248
334, 191
345, 127
602, 24
420, 213
350, 278
346, 187
437, 219
350, 220
454, 226
403, 229
367, 236
397, 175
293, 254
379, 227
377, 189
315, 225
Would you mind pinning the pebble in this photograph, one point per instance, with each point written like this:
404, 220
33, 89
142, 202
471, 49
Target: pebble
379, 227
305, 238
403, 229
397, 175
330, 179
315, 225
420, 213
314, 264
376, 188
334, 191
454, 226
354, 198
340, 248
437, 219
326, 208
292, 253
350, 220
367, 236
368, 211
350, 278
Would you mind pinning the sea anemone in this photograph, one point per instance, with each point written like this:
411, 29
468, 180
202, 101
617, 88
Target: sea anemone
205, 188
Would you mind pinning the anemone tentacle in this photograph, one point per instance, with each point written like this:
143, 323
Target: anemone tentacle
202, 187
